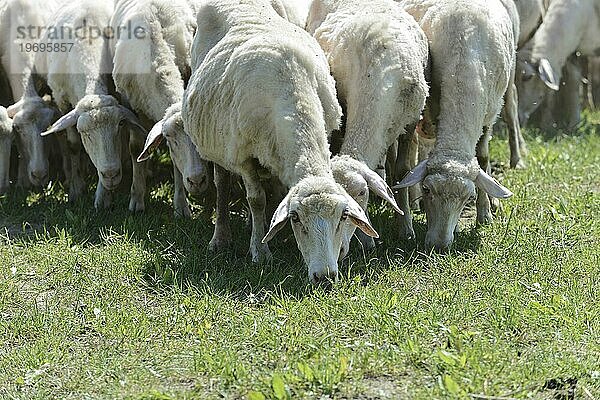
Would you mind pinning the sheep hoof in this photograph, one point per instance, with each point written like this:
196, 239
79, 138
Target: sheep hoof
75, 193
136, 203
219, 242
102, 201
485, 218
406, 233
183, 212
517, 163
260, 253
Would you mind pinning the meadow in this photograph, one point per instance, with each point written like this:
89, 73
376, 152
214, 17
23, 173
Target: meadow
111, 305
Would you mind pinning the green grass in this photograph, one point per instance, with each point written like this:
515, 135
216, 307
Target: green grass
105, 305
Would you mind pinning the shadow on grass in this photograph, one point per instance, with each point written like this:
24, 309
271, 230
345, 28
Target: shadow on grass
178, 248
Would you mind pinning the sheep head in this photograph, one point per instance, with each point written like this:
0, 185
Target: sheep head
6, 138
447, 186
32, 115
183, 152
321, 212
99, 120
356, 178
533, 78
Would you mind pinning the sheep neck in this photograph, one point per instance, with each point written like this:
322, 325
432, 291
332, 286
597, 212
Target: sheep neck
558, 37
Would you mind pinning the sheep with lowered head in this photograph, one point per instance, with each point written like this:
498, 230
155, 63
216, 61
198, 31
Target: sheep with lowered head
378, 55
31, 113
569, 26
261, 99
472, 49
153, 82
79, 80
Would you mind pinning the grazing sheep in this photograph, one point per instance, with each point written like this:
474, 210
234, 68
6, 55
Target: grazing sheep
5, 144
472, 51
260, 100
155, 80
31, 114
81, 88
378, 55
569, 26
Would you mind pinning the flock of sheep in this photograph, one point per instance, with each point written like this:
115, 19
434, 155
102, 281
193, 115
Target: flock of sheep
405, 91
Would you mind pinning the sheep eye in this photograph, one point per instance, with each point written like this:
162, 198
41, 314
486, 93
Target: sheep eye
294, 217
344, 215
122, 122
362, 193
426, 189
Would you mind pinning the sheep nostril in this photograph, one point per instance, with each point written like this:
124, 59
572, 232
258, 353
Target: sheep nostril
39, 176
111, 173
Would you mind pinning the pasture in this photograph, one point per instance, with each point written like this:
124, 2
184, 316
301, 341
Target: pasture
108, 304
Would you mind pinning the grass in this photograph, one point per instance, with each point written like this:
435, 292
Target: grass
105, 305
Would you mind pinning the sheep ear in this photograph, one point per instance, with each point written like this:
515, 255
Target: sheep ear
279, 219
357, 216
153, 140
491, 186
413, 177
133, 120
547, 75
66, 121
379, 187
15, 108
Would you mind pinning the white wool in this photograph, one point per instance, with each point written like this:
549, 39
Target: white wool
297, 11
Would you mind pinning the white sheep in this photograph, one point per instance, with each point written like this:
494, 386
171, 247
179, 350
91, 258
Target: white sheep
261, 99
21, 26
569, 26
153, 81
378, 55
81, 88
5, 144
472, 49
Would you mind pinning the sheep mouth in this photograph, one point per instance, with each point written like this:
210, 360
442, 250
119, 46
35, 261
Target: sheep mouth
111, 184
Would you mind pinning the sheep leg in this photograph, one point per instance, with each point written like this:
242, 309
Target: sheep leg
76, 185
23, 177
64, 151
414, 192
484, 214
255, 194
182, 208
139, 171
403, 167
511, 116
103, 197
222, 234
